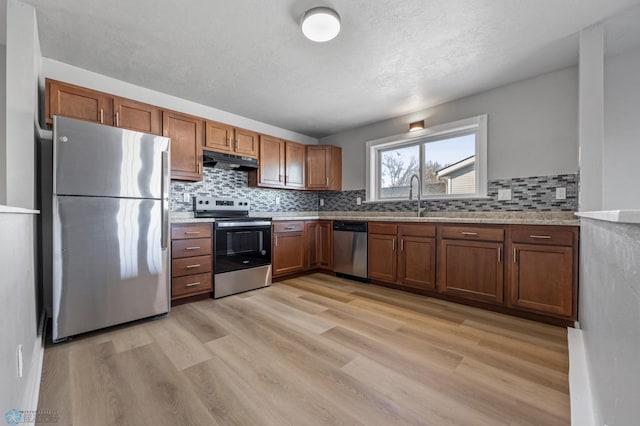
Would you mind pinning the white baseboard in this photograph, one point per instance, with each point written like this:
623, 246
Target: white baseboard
579, 381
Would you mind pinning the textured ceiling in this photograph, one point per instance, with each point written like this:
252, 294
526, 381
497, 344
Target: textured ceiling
249, 57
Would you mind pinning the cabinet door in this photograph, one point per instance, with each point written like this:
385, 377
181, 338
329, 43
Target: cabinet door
318, 166
246, 143
417, 261
137, 116
271, 171
325, 245
288, 252
312, 244
76, 102
218, 137
382, 257
294, 170
186, 145
541, 279
472, 269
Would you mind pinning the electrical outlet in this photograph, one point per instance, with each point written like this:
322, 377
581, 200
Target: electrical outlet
358, 201
277, 201
561, 193
186, 197
504, 194
20, 364
321, 202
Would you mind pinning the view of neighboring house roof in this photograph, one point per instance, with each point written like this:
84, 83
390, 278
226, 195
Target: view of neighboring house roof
447, 170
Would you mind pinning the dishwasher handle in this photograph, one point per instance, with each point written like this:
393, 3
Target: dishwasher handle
350, 226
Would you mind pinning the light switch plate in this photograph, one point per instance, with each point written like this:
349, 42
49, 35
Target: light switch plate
504, 194
186, 197
358, 200
561, 193
277, 201
321, 202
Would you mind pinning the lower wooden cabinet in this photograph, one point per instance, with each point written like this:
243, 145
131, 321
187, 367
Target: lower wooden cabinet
324, 251
382, 259
288, 254
191, 260
542, 273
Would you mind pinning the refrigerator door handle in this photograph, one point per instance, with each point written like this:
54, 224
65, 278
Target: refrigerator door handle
165, 199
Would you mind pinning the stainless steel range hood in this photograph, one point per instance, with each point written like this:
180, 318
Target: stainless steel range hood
228, 161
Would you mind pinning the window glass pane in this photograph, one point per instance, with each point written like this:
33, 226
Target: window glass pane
449, 166
396, 168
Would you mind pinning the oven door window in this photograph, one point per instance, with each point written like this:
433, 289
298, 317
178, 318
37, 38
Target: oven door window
242, 248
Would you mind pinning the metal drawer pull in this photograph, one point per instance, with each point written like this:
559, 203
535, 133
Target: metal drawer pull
193, 266
290, 227
117, 119
192, 284
515, 255
469, 233
402, 244
394, 244
541, 237
192, 248
101, 116
191, 232
499, 254
276, 242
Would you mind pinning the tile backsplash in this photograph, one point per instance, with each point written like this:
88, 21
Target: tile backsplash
231, 183
536, 193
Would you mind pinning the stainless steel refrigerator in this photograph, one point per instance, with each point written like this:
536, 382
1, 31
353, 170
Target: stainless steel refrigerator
109, 226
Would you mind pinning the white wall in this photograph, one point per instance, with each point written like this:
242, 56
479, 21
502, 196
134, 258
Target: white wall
81, 77
621, 131
3, 120
532, 128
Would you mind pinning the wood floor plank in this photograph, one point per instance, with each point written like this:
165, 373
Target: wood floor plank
314, 350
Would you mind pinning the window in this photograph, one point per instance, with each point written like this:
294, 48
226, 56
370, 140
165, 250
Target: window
449, 159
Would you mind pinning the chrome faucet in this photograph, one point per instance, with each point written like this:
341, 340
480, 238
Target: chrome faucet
419, 209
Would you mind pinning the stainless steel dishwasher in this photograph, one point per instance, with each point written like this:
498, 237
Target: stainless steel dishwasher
350, 249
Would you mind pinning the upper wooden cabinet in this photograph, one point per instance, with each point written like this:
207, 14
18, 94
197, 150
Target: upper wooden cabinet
71, 101
542, 272
324, 167
185, 132
228, 139
137, 116
282, 164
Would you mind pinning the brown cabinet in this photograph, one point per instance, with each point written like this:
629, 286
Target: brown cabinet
185, 132
319, 244
324, 167
137, 116
471, 268
224, 138
403, 254
542, 272
282, 164
288, 254
71, 101
191, 260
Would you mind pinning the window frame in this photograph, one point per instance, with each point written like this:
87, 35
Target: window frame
477, 125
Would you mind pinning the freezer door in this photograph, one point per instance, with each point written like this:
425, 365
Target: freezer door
94, 160
108, 263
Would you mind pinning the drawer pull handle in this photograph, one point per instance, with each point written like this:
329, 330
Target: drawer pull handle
499, 254
191, 232
192, 284
515, 255
541, 237
192, 266
192, 248
469, 233
289, 227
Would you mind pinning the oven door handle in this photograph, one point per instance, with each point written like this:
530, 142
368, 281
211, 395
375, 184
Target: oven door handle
263, 223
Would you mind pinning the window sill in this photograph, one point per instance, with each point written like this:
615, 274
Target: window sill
439, 198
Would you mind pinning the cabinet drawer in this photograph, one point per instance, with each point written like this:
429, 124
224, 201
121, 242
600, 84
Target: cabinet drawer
542, 235
383, 228
189, 248
288, 226
472, 233
417, 230
191, 284
190, 266
191, 230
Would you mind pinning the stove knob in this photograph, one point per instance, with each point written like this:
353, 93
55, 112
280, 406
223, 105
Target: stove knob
200, 202
206, 202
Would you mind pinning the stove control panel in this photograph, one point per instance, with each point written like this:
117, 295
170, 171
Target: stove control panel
208, 204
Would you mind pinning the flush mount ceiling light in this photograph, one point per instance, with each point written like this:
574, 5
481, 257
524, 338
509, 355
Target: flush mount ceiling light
416, 125
320, 24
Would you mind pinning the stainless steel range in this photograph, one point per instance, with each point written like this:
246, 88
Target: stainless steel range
242, 245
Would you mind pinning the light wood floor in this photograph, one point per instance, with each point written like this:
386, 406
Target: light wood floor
310, 351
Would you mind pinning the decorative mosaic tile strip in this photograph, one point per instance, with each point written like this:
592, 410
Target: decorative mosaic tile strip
535, 193
230, 183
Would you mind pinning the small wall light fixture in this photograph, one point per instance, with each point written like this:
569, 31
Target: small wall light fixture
416, 125
320, 24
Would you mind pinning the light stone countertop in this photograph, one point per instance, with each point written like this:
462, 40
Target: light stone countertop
499, 218
618, 216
